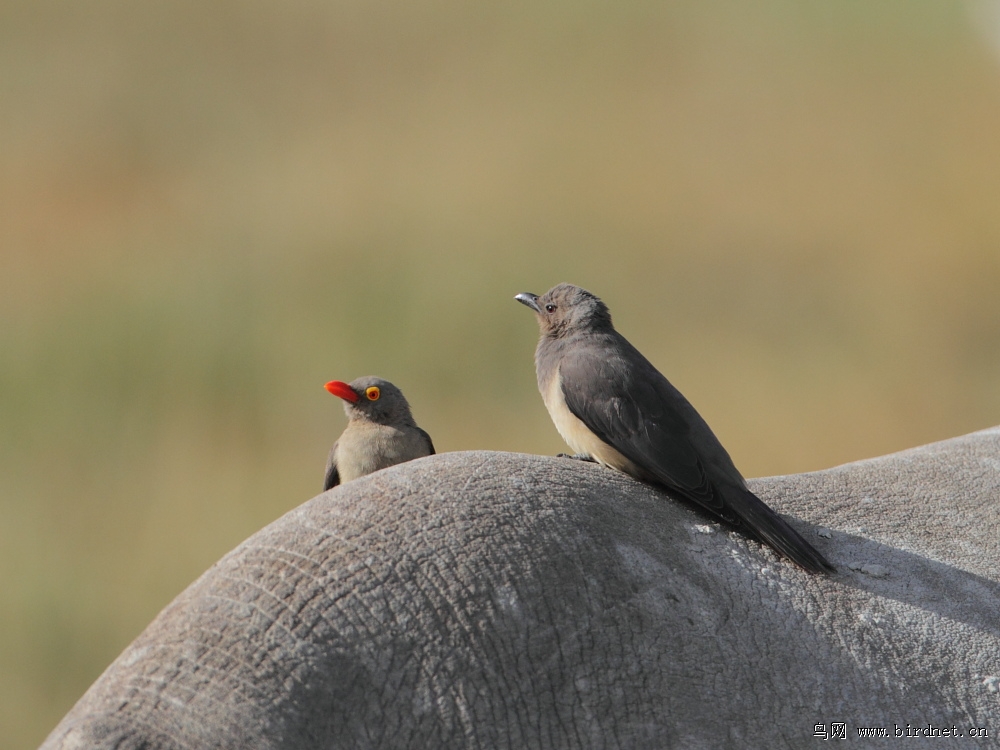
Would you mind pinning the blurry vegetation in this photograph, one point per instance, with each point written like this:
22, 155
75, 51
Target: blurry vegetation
208, 210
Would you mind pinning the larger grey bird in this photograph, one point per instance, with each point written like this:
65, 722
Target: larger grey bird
611, 405
380, 431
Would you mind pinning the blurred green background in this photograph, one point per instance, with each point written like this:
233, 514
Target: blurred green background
207, 210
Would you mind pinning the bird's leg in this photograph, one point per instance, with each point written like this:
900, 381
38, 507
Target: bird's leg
577, 457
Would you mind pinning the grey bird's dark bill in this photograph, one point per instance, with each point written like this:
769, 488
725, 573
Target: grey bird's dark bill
529, 299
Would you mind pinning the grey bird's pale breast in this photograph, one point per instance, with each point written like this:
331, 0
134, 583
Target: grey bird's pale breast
576, 434
366, 447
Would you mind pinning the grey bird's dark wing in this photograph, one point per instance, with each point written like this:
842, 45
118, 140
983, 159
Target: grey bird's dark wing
332, 478
631, 406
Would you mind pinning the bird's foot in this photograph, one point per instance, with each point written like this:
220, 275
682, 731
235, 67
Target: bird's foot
577, 457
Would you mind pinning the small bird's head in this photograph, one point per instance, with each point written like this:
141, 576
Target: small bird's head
372, 399
566, 308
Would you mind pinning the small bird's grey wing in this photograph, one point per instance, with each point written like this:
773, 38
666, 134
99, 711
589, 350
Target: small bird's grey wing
430, 445
332, 478
629, 405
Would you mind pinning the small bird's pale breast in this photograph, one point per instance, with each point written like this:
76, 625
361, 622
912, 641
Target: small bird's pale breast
368, 447
576, 434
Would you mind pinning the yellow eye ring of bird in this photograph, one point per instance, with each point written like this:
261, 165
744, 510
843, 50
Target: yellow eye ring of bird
372, 392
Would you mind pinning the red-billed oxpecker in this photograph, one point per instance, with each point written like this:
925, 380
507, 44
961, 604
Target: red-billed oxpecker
380, 431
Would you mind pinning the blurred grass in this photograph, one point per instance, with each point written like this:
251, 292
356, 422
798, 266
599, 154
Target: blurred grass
207, 211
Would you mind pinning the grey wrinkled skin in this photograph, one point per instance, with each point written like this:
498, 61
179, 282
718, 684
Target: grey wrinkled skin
495, 600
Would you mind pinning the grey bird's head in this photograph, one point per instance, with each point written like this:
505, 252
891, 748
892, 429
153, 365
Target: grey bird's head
566, 309
372, 399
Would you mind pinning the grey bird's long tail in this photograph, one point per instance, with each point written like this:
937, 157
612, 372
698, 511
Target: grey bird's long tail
769, 528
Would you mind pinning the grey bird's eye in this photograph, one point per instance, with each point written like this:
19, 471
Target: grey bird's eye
550, 308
